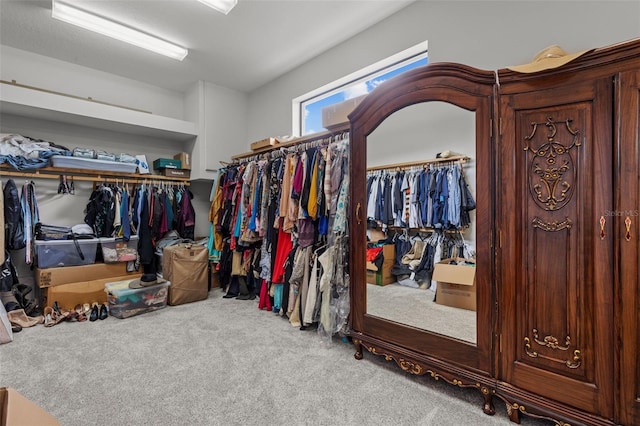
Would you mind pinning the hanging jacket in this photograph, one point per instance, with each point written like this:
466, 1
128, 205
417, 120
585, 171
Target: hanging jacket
13, 217
187, 218
145, 243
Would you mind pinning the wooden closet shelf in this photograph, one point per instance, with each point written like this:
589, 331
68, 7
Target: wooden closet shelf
453, 159
293, 142
89, 175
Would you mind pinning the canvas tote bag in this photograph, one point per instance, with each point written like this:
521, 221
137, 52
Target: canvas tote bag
186, 266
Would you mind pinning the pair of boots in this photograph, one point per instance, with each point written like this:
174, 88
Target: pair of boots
16, 298
239, 289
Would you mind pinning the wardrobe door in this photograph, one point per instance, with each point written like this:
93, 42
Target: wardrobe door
556, 246
465, 98
626, 230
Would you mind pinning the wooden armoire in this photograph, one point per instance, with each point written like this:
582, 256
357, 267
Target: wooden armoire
558, 191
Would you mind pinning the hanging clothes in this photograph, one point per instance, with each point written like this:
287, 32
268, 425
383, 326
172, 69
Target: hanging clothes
289, 203
187, 216
2, 228
145, 243
31, 216
428, 198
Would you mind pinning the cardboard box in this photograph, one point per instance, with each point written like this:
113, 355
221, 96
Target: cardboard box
185, 160
73, 274
264, 143
177, 173
69, 295
215, 278
456, 284
16, 410
337, 114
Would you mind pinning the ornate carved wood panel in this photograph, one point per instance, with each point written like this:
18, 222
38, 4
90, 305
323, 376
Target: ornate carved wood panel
557, 168
627, 217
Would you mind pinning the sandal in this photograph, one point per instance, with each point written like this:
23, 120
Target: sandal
49, 317
79, 313
61, 315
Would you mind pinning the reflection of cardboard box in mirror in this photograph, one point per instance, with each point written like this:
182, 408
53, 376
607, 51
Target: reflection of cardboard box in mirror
376, 235
456, 283
383, 276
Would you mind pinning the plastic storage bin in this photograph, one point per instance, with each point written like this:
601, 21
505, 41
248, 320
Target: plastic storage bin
125, 302
56, 253
92, 164
118, 250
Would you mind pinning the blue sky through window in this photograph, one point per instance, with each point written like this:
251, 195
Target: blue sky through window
313, 111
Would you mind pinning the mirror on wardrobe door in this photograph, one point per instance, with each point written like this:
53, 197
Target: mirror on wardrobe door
406, 240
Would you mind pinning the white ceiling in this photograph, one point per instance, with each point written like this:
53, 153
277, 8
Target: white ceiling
255, 43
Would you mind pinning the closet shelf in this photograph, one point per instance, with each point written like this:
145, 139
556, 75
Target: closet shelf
89, 175
39, 103
453, 159
293, 142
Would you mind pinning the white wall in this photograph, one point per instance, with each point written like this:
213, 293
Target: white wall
483, 34
51, 74
220, 114
225, 130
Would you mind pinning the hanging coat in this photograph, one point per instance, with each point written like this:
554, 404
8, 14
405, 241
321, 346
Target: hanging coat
187, 217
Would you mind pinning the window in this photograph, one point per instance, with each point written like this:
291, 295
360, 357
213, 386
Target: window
307, 109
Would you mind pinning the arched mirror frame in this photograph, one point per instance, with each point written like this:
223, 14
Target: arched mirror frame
419, 351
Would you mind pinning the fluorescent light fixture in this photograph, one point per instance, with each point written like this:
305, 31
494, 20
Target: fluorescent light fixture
70, 14
222, 6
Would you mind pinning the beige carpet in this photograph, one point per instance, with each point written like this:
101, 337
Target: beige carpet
222, 362
415, 307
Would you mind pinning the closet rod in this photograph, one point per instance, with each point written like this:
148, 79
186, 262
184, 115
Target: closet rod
303, 139
454, 159
94, 177
446, 231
